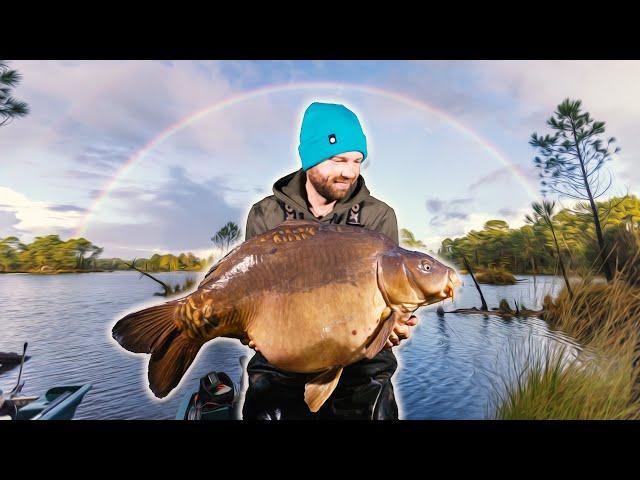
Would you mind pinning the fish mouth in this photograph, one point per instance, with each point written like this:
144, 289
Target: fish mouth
454, 279
452, 282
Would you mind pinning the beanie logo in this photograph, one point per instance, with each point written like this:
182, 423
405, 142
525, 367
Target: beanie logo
332, 138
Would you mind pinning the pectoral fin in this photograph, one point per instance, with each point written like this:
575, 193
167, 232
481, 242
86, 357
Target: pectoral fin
321, 387
381, 338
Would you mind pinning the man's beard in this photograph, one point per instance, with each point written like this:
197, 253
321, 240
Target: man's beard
327, 188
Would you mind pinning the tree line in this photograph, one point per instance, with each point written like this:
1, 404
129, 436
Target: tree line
51, 254
532, 247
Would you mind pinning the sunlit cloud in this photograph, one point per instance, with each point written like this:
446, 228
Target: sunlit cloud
34, 217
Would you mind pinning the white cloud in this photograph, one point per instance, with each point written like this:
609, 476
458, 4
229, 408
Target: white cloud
604, 86
608, 90
455, 227
37, 217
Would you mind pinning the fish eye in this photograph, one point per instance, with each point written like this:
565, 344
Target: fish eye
425, 266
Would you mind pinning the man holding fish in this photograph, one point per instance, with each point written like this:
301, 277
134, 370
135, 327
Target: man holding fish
328, 189
320, 288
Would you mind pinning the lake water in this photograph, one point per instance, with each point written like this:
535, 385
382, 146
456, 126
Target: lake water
453, 367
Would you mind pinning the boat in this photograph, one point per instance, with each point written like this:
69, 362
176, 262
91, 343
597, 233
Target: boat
58, 403
218, 398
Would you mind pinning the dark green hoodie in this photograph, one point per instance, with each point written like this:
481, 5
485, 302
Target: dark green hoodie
369, 212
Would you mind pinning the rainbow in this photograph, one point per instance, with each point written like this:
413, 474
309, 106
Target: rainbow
267, 90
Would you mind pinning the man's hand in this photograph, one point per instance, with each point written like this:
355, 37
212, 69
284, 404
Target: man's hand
249, 343
401, 331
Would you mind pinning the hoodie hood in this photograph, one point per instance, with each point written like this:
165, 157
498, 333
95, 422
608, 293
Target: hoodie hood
291, 189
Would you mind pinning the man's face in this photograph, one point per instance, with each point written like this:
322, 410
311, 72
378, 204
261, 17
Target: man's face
334, 177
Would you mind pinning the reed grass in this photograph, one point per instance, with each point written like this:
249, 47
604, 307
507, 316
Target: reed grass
602, 384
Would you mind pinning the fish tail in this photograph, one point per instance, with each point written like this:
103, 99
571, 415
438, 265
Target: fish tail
153, 330
145, 331
168, 366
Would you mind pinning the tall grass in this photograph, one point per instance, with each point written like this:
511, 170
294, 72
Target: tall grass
605, 319
554, 387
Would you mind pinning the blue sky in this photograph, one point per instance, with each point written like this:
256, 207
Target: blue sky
89, 118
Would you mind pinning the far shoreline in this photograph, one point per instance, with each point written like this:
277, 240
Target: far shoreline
97, 271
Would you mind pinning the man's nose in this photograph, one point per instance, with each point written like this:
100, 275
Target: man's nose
350, 171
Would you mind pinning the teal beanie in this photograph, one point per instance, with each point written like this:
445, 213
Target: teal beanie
329, 129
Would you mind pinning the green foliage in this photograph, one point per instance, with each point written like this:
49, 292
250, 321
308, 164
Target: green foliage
50, 254
169, 262
531, 248
227, 235
543, 213
10, 108
495, 276
47, 254
571, 158
408, 240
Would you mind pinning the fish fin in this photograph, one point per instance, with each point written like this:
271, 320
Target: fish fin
146, 330
169, 364
319, 388
381, 338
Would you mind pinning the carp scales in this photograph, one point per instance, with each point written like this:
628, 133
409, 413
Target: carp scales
312, 297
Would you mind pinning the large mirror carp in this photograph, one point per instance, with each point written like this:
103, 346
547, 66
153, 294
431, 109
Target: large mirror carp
312, 297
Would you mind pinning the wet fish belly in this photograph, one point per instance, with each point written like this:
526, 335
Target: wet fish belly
313, 330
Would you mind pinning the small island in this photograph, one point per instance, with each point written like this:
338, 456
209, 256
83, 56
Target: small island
496, 276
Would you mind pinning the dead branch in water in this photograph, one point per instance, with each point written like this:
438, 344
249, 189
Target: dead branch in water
167, 289
470, 270
521, 313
